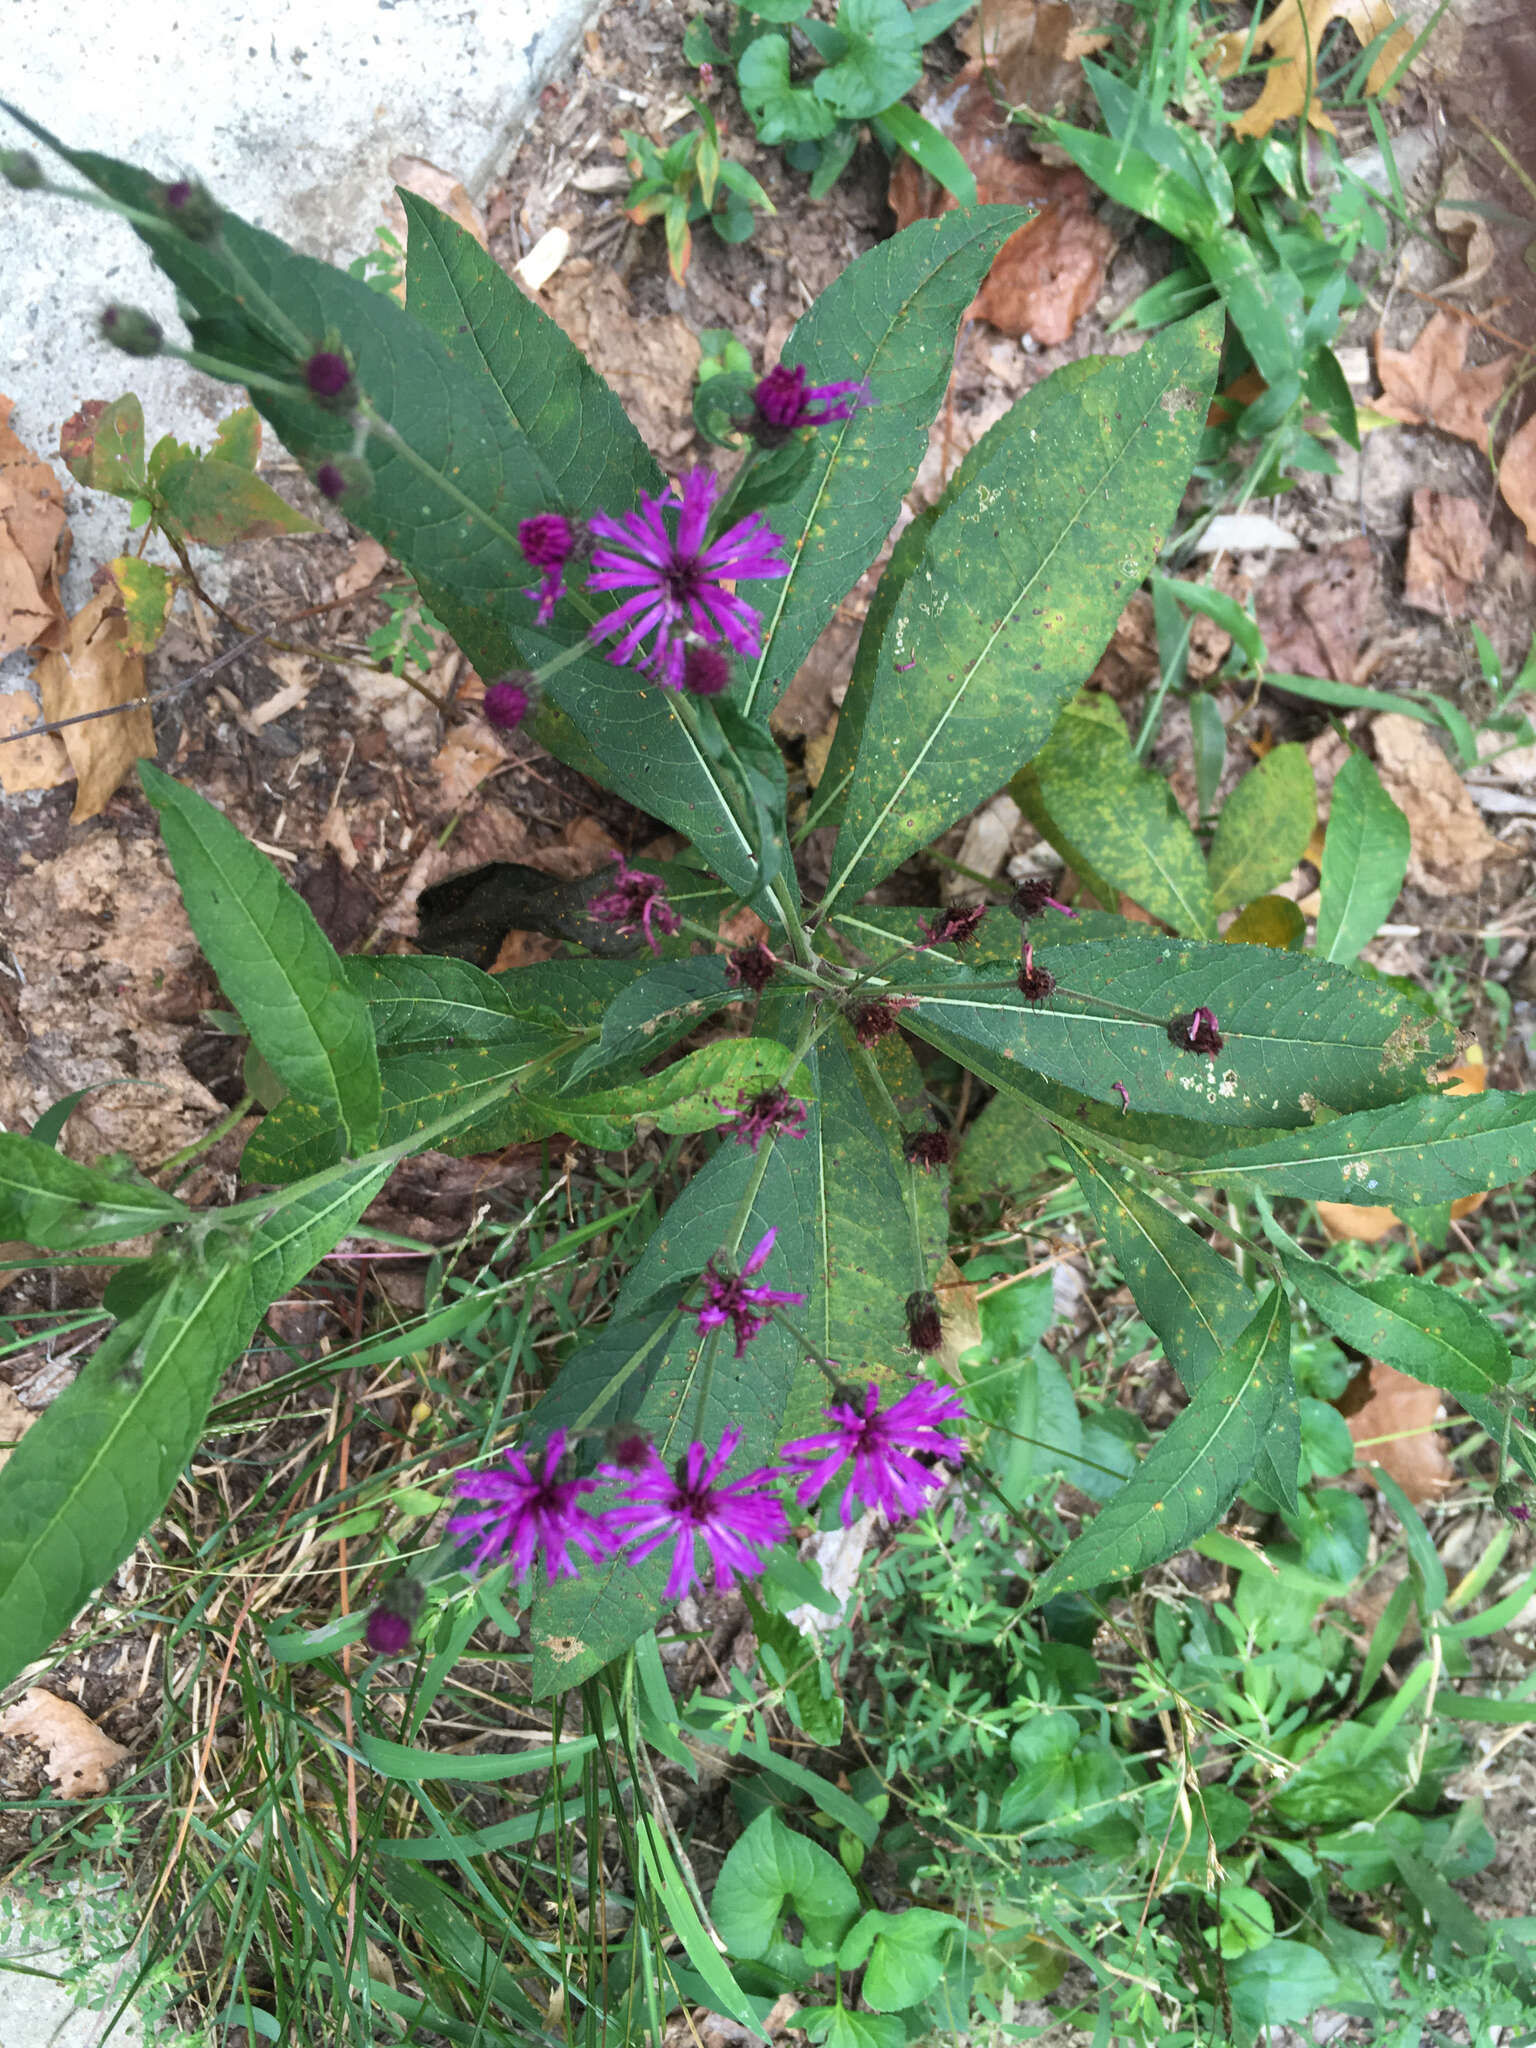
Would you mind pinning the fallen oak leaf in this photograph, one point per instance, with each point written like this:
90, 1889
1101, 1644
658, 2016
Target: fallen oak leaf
1451, 846
34, 544
80, 1757
1291, 34
1392, 1420
92, 671
1517, 476
1431, 385
1447, 548
36, 760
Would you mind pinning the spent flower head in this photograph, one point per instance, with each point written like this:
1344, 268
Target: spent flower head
328, 375
772, 1113
925, 1325
531, 1516
878, 1019
1197, 1033
736, 1520
1031, 897
676, 581
1035, 983
750, 967
636, 902
927, 1149
885, 1448
729, 1299
952, 927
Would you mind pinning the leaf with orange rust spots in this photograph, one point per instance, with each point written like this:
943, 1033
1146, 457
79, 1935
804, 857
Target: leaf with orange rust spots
1430, 384
1290, 36
34, 544
92, 670
1392, 1420
146, 590
102, 445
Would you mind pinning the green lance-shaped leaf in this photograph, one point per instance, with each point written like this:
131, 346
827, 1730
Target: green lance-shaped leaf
579, 1625
1264, 827
1365, 858
86, 1482
656, 1009
888, 320
1086, 790
696, 1094
1193, 1300
1189, 1478
1434, 1148
414, 999
59, 1205
1290, 1028
1019, 588
273, 961
1424, 1330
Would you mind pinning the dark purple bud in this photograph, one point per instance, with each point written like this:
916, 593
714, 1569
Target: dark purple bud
1035, 983
328, 375
19, 167
953, 927
751, 967
1506, 1498
390, 1624
548, 540
1197, 1033
131, 330
345, 480
925, 1326
927, 1149
873, 1021
628, 1448
774, 1113
509, 700
1031, 897
784, 401
191, 208
706, 671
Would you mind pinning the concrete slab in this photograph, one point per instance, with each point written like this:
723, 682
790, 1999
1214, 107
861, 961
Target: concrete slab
39, 2005
289, 110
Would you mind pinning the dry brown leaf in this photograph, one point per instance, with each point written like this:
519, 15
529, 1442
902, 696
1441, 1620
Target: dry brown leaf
463, 761
36, 763
1355, 1223
1393, 1426
1316, 611
1033, 49
80, 1756
1517, 476
1452, 218
1289, 35
1447, 548
1451, 845
91, 670
1048, 275
34, 544
1430, 385
743, 928
367, 560
15, 1421
960, 1313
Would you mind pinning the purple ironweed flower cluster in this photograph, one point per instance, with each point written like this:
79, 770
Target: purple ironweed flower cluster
729, 1299
636, 902
953, 928
1030, 898
783, 402
750, 967
774, 1113
1035, 983
896, 1457
873, 1021
927, 1149
548, 541
1197, 1033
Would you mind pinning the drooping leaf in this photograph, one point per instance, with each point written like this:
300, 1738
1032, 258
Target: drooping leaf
1365, 860
90, 1476
1264, 827
1085, 789
1423, 1330
218, 503
1019, 588
889, 320
1192, 1473
656, 1009
1434, 1148
276, 965
1271, 921
1194, 1301
1286, 1022
59, 1205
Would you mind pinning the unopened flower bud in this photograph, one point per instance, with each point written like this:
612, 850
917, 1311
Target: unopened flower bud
329, 376
925, 1326
706, 671
509, 700
393, 1620
132, 330
192, 208
1507, 1499
19, 167
344, 479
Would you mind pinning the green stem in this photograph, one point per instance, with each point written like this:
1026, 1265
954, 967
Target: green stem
188, 1153
827, 1365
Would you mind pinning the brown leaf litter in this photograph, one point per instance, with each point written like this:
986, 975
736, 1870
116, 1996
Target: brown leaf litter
1451, 847
1318, 613
1447, 550
1032, 49
91, 671
1289, 36
1392, 1420
1432, 384
34, 544
81, 1758
1517, 477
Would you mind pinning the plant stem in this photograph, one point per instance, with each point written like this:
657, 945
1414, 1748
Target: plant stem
189, 1153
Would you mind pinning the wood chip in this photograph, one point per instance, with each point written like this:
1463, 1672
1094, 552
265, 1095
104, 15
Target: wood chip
543, 259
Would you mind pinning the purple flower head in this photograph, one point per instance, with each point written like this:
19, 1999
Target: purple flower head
1197, 1033
874, 1021
393, 1619
637, 902
737, 1520
751, 967
676, 582
927, 1149
885, 1447
728, 1298
328, 375
192, 208
1030, 898
1506, 1498
131, 330
706, 671
772, 1114
509, 700
784, 401
629, 1448
531, 1516
548, 540
344, 479
1035, 983
925, 1326
952, 927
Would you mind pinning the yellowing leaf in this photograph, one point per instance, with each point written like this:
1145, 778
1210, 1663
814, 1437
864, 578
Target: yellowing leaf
1290, 34
146, 592
1268, 921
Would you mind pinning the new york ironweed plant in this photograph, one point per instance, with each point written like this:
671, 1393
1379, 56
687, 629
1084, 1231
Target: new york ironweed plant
782, 1334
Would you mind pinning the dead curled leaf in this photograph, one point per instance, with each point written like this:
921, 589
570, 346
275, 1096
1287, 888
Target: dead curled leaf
468, 755
1048, 275
1316, 612
90, 671
34, 544
15, 1421
1451, 846
1447, 548
80, 1757
1431, 385
1289, 36
1033, 49
1392, 1420
1517, 477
